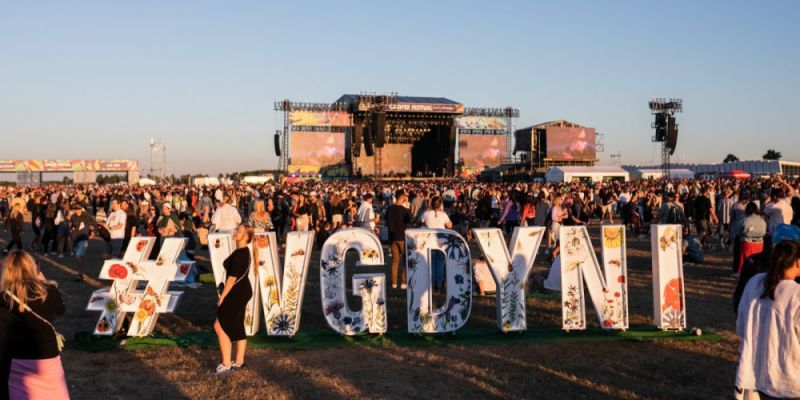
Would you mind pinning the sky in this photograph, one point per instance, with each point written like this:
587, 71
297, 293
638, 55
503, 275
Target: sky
86, 80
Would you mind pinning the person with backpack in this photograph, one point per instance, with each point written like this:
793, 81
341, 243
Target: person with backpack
671, 212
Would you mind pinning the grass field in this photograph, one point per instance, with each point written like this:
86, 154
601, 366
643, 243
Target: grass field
511, 369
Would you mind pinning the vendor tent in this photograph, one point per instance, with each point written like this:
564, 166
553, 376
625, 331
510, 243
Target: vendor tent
593, 174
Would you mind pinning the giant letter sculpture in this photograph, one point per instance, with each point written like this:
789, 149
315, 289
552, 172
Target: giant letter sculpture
371, 287
123, 297
579, 263
280, 295
669, 303
510, 268
420, 243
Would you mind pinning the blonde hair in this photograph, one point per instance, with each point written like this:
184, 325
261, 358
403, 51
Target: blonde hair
21, 278
258, 207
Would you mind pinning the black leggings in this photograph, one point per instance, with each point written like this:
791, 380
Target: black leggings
16, 239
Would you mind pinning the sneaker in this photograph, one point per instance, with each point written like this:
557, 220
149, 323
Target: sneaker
222, 369
61, 255
53, 254
236, 366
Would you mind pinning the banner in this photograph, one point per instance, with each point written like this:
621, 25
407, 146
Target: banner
425, 107
319, 118
68, 165
482, 122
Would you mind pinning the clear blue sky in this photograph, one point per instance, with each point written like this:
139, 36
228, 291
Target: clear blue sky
97, 79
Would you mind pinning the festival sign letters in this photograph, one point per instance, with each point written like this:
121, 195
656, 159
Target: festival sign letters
370, 287
124, 297
278, 292
280, 296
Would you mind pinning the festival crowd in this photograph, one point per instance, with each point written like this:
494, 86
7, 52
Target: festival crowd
756, 220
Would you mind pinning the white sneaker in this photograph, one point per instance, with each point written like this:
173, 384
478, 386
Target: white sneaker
222, 369
236, 366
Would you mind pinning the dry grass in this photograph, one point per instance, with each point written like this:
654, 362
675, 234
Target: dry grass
630, 370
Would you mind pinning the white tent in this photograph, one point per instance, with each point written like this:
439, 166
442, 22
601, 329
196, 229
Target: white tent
594, 174
651, 173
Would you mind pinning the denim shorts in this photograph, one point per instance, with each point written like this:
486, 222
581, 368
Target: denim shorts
80, 248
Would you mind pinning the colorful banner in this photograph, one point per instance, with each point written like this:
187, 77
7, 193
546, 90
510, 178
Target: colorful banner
478, 152
481, 122
68, 165
319, 118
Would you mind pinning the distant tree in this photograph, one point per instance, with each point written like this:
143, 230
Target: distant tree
100, 179
772, 155
730, 158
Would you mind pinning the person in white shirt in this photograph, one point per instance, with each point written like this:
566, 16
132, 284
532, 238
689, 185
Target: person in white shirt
768, 323
116, 228
365, 216
436, 218
778, 211
227, 217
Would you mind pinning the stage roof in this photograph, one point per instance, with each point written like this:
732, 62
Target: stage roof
408, 104
560, 122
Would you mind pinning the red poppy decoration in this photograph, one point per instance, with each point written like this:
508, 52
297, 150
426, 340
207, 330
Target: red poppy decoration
608, 323
621, 279
117, 271
184, 269
616, 294
140, 245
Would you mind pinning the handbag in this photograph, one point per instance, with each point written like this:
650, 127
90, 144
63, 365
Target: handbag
59, 337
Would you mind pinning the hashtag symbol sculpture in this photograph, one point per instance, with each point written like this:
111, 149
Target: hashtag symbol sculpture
123, 296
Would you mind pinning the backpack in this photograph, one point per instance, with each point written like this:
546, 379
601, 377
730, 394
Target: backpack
672, 215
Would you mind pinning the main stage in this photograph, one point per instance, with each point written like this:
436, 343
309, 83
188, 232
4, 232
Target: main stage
391, 136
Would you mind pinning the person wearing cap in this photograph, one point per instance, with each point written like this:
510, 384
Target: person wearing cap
168, 224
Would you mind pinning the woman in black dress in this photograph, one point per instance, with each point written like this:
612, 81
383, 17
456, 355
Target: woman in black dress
232, 303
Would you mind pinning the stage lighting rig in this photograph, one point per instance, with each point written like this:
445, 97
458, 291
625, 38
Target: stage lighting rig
666, 128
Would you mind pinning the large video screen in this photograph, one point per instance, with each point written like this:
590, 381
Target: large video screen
316, 148
396, 161
566, 144
482, 151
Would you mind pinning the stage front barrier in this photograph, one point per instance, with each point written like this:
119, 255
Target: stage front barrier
279, 292
370, 287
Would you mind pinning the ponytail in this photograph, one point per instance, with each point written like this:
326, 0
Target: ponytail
784, 256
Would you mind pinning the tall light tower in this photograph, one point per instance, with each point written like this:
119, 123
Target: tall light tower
158, 162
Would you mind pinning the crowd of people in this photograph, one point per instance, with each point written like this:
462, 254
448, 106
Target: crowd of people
744, 216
